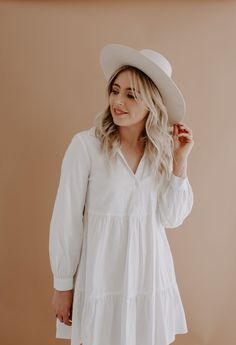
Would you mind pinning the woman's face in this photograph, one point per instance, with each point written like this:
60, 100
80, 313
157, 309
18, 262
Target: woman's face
129, 110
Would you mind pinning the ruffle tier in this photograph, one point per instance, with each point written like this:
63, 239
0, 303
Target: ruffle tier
118, 320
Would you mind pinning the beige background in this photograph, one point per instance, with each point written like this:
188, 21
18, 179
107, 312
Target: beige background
51, 87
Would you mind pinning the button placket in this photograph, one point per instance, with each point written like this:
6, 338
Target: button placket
139, 169
136, 196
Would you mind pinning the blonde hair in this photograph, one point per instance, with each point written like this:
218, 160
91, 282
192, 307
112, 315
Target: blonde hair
156, 135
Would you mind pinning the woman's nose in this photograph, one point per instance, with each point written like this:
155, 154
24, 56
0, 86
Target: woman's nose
119, 100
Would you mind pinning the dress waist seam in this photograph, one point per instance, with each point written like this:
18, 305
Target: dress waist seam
127, 215
121, 294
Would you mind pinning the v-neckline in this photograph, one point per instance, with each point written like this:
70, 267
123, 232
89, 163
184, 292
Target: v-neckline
139, 164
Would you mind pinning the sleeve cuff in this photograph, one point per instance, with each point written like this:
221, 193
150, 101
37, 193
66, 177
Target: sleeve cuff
178, 181
63, 284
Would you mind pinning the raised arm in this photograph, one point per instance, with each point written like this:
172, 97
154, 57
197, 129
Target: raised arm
176, 203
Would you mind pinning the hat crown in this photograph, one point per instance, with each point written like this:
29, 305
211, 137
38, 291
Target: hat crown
158, 60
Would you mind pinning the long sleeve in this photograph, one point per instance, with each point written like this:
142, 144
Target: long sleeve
176, 203
66, 226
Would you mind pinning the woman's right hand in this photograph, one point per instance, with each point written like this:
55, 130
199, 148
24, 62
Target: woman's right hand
62, 305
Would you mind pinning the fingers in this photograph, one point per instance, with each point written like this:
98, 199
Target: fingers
65, 318
64, 315
175, 130
62, 304
180, 129
186, 135
59, 317
183, 127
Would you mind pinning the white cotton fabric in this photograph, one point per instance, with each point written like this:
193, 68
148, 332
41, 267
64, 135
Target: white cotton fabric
108, 242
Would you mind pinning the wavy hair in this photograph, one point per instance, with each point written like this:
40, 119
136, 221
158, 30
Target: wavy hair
156, 135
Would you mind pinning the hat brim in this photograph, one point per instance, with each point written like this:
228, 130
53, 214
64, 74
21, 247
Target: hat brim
113, 56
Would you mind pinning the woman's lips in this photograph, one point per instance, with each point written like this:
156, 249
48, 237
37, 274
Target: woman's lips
119, 112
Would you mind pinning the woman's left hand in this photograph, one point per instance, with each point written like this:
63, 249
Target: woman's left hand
183, 141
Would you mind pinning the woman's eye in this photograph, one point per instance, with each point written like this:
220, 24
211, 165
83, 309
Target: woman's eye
115, 92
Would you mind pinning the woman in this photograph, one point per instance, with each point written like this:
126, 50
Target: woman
123, 181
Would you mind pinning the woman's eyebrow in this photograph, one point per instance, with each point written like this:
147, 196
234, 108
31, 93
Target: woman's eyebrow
128, 88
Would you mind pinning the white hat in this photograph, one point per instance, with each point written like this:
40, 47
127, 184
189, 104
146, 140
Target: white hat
152, 63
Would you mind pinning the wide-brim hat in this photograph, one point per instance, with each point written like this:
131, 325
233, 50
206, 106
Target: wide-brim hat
154, 65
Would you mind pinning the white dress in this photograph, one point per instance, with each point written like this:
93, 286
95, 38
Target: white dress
108, 242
